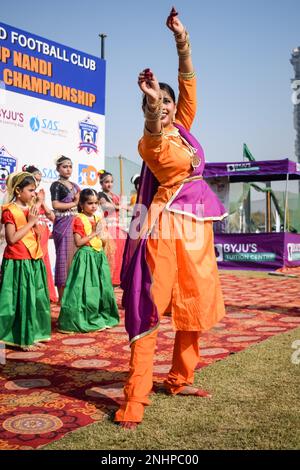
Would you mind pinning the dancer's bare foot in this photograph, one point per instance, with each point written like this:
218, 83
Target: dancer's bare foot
159, 388
128, 425
32, 347
40, 345
188, 390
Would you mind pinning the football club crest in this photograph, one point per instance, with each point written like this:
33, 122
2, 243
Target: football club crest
8, 164
88, 136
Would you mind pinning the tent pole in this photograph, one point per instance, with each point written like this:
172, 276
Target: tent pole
268, 208
286, 202
121, 176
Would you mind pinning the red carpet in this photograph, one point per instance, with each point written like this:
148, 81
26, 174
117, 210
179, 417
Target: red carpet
78, 379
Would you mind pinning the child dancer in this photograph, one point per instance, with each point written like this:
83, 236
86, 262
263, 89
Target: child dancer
88, 302
65, 197
45, 214
24, 298
111, 205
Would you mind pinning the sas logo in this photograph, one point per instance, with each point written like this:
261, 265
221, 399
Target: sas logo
49, 175
8, 164
34, 124
87, 175
47, 126
88, 136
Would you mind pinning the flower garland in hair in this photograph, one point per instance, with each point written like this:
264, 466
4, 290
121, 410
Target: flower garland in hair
103, 175
62, 158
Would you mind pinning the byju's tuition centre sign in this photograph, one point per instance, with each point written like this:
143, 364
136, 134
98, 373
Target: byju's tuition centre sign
52, 101
263, 251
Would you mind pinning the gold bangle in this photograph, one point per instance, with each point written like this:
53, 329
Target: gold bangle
184, 54
184, 41
156, 106
154, 115
152, 134
177, 35
184, 46
187, 75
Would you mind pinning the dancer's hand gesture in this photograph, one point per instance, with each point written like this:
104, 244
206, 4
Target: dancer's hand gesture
33, 214
174, 23
149, 85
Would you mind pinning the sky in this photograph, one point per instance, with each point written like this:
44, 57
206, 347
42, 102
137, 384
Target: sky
241, 53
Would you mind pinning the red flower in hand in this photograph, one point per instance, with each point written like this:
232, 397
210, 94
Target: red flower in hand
173, 12
148, 74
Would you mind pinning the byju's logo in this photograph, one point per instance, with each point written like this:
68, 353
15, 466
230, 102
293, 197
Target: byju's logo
87, 175
8, 116
34, 124
293, 250
88, 136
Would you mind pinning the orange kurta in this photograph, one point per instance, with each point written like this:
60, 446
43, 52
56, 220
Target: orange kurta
181, 255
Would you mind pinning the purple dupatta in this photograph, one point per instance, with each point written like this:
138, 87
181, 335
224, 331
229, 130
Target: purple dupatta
141, 314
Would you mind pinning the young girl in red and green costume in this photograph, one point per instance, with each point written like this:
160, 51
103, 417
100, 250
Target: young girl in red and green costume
24, 298
45, 215
88, 302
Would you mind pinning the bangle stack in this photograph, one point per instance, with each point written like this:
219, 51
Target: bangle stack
183, 45
155, 113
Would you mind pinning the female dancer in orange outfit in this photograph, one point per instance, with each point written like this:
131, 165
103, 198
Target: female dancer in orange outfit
171, 265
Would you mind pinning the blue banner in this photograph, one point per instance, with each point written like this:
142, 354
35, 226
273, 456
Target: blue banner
37, 67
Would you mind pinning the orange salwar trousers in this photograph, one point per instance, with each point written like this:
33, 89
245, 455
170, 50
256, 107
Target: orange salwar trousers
139, 383
185, 282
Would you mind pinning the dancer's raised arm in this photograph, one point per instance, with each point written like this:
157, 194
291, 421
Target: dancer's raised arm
182, 42
152, 104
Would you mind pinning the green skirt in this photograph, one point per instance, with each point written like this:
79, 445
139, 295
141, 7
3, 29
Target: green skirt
24, 302
88, 302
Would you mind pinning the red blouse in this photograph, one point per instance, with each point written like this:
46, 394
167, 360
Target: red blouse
78, 227
17, 250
